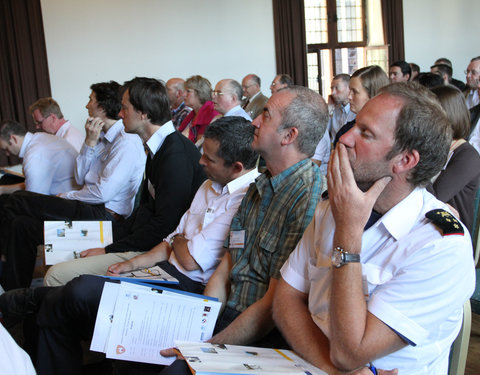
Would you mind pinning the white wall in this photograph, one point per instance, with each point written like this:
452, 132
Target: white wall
92, 41
441, 28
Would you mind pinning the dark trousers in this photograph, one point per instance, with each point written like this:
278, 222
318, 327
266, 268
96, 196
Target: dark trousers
21, 230
67, 316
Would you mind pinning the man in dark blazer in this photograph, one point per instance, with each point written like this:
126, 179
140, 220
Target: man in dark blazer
255, 100
173, 175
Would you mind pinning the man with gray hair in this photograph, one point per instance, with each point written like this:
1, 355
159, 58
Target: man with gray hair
473, 81
271, 219
381, 275
254, 99
227, 98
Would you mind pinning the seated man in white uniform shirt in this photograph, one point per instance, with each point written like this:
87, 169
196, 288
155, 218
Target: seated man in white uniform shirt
109, 169
195, 248
382, 272
47, 116
48, 161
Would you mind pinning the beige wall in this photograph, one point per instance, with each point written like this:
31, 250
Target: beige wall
92, 41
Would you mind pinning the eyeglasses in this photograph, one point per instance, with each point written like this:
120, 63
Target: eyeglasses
40, 122
472, 72
217, 93
274, 84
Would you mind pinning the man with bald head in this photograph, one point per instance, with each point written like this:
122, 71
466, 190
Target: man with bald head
227, 98
255, 100
176, 96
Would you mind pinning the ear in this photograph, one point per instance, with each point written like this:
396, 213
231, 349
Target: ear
405, 162
237, 167
14, 139
289, 136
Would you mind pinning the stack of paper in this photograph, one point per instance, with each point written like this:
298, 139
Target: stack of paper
64, 240
205, 358
134, 321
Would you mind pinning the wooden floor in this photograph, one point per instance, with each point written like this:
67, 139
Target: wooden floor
473, 358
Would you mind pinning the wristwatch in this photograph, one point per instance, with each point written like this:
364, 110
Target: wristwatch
340, 257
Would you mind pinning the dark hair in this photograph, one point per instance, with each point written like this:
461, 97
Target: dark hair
414, 67
307, 112
453, 102
443, 60
476, 58
46, 106
108, 98
444, 69
404, 67
344, 77
373, 78
235, 135
9, 127
430, 80
422, 125
285, 79
149, 96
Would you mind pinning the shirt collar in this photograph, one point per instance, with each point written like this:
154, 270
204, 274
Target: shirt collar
63, 129
345, 108
408, 209
112, 133
157, 139
232, 110
179, 108
237, 183
277, 182
26, 141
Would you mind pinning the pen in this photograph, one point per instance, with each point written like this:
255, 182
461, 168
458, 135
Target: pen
372, 369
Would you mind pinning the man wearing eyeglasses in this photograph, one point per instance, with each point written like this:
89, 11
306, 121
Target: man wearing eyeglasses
227, 97
47, 116
254, 99
280, 82
473, 79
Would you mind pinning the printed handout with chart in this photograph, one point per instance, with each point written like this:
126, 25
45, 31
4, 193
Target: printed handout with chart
135, 321
64, 240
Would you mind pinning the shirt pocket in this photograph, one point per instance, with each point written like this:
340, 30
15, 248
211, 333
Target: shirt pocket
373, 276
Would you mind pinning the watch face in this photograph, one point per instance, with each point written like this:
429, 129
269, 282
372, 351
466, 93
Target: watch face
337, 258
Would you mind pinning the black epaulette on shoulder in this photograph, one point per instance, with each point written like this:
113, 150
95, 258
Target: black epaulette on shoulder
446, 222
325, 195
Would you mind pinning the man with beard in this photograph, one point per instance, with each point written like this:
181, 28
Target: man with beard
383, 270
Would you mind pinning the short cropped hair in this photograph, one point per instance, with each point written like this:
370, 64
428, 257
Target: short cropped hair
235, 135
430, 80
108, 98
444, 69
307, 112
285, 79
373, 78
149, 96
235, 88
422, 125
453, 102
11, 127
443, 60
46, 106
404, 67
415, 67
202, 87
344, 77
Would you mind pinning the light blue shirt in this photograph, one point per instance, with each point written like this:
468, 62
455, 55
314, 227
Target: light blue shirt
48, 163
110, 172
238, 111
341, 115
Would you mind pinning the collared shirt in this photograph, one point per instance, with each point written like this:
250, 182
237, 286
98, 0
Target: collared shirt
474, 138
179, 113
238, 111
48, 163
415, 280
207, 222
341, 115
111, 172
269, 223
72, 135
156, 140
322, 153
472, 99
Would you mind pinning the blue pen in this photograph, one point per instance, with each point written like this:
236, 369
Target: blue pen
373, 369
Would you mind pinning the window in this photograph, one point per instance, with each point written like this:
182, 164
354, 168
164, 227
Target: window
342, 36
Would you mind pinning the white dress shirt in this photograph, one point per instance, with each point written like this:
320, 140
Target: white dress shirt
111, 172
72, 135
474, 138
238, 111
341, 115
415, 279
14, 360
322, 153
207, 222
472, 99
48, 163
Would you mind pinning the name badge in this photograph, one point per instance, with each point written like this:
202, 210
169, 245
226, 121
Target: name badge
151, 189
208, 217
237, 239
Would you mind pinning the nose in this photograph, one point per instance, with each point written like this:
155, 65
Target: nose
350, 97
120, 114
348, 139
201, 161
257, 121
